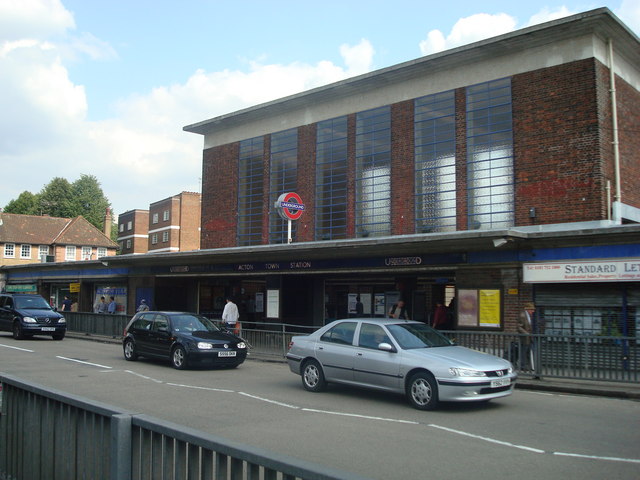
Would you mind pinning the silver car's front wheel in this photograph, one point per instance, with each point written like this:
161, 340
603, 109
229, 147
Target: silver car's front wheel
313, 376
422, 391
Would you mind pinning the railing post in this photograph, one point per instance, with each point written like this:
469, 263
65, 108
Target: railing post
120, 447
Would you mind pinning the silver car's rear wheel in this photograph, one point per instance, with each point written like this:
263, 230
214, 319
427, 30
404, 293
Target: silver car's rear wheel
422, 391
313, 376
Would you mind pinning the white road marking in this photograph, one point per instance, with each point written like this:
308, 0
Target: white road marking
365, 417
595, 457
262, 399
143, 376
16, 348
202, 388
84, 363
384, 419
487, 439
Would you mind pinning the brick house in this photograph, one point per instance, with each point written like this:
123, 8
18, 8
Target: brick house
28, 239
133, 232
174, 224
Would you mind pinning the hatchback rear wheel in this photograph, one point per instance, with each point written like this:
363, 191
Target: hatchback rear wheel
130, 350
422, 391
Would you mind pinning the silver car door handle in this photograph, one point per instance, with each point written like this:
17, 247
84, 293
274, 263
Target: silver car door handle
359, 354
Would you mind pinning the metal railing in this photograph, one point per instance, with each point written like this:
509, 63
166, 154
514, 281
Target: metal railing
586, 357
47, 434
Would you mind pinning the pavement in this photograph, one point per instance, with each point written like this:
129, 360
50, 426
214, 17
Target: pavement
623, 390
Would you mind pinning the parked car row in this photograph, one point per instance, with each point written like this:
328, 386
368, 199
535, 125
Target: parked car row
399, 356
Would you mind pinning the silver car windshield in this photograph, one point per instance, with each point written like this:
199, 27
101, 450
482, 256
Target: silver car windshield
417, 335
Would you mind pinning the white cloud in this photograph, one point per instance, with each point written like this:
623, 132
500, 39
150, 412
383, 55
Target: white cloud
629, 13
467, 30
141, 155
482, 26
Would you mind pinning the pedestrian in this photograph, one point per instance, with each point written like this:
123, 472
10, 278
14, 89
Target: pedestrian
143, 306
440, 318
230, 315
101, 306
113, 306
66, 304
359, 307
525, 328
398, 310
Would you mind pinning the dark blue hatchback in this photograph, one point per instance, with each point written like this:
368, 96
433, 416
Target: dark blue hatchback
186, 339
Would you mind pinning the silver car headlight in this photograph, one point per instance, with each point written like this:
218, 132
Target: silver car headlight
204, 346
466, 372
29, 320
242, 345
62, 320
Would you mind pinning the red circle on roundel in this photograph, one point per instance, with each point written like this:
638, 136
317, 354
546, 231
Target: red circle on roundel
292, 196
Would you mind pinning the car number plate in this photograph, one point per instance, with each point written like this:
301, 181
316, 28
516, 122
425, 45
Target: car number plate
226, 354
501, 382
48, 329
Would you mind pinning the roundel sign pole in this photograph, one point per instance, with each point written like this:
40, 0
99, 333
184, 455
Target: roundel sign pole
289, 207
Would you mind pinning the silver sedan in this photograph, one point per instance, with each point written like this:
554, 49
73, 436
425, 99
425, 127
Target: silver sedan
398, 356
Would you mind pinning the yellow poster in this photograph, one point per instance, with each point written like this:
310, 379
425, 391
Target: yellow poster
489, 308
74, 287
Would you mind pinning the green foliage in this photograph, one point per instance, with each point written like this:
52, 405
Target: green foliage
27, 204
59, 198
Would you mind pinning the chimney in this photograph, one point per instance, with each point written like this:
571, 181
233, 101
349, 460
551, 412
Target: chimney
107, 223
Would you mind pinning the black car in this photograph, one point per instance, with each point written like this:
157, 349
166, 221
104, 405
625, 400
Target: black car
26, 315
186, 339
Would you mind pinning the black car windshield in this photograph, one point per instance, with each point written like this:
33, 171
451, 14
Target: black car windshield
33, 303
191, 323
417, 335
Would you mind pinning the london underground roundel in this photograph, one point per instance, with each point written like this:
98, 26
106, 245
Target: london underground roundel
289, 206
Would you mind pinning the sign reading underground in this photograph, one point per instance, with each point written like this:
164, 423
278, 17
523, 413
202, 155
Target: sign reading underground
289, 207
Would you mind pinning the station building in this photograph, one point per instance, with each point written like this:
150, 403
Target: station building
483, 177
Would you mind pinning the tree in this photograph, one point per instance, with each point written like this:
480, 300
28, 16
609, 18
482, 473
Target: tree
56, 199
59, 198
88, 200
26, 204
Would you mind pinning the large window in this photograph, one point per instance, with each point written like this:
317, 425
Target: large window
70, 253
86, 253
435, 159
331, 179
284, 172
373, 172
490, 176
250, 191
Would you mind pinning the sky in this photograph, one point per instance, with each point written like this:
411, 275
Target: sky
105, 87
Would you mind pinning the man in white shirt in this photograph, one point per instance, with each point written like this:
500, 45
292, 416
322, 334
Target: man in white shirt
230, 315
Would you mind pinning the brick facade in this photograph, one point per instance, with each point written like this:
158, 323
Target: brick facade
563, 158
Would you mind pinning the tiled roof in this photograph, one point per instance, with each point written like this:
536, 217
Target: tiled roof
34, 230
